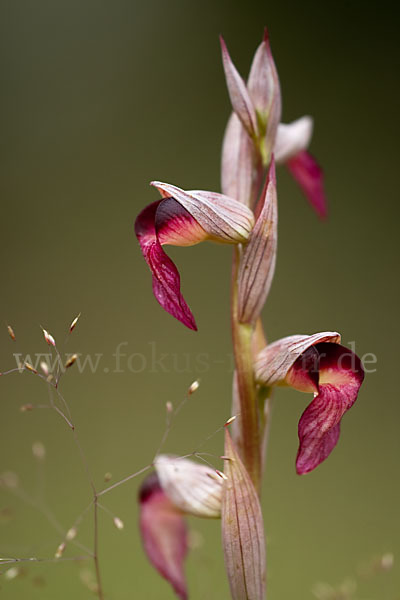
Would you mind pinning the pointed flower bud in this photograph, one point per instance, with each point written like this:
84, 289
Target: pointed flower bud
265, 92
258, 262
183, 219
257, 105
239, 95
291, 145
193, 488
164, 534
242, 530
318, 364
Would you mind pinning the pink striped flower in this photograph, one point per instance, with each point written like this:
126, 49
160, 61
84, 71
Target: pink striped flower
183, 219
320, 365
178, 487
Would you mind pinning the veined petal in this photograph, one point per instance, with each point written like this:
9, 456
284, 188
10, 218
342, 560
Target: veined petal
193, 488
224, 219
319, 430
341, 375
309, 175
263, 81
166, 279
275, 360
293, 138
264, 89
242, 530
240, 99
164, 534
257, 265
238, 160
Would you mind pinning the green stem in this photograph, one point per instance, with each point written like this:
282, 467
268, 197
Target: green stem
249, 420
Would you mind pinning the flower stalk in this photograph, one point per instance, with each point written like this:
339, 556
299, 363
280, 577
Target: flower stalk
242, 335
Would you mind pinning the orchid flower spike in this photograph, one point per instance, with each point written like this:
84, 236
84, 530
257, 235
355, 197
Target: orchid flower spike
291, 145
183, 219
318, 364
178, 487
254, 129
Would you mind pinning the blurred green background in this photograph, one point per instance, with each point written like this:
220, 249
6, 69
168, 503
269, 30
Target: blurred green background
97, 99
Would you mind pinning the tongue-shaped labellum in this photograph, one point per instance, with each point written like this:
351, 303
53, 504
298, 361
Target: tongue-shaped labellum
164, 534
340, 377
167, 222
310, 177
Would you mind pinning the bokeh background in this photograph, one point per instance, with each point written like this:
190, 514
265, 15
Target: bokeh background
97, 99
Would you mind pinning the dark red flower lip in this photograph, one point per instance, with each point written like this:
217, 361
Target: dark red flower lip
165, 275
340, 375
291, 145
310, 177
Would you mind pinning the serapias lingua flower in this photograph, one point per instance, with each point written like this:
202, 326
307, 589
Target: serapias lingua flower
185, 218
179, 486
320, 365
